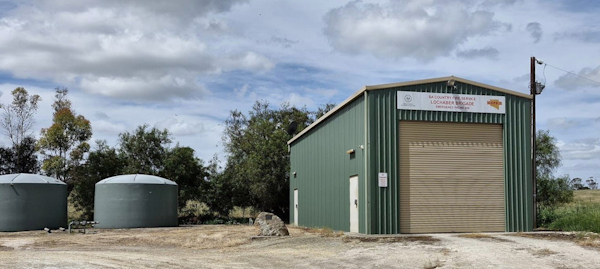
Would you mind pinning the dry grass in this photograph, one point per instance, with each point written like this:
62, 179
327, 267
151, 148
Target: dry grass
475, 235
586, 196
483, 237
324, 232
420, 239
433, 264
584, 239
543, 252
193, 237
72, 212
240, 212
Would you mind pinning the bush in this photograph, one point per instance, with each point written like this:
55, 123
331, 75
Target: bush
581, 217
552, 192
547, 216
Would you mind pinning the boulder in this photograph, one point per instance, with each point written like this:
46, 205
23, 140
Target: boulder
270, 225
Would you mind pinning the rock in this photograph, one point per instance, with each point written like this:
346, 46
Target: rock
270, 225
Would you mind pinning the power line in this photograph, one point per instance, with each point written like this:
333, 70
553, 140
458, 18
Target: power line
569, 72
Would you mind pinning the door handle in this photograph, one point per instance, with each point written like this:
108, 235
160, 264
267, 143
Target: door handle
356, 202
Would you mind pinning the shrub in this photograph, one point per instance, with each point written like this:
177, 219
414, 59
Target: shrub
552, 192
547, 216
581, 217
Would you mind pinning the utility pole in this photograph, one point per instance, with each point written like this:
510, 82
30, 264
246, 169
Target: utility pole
532, 88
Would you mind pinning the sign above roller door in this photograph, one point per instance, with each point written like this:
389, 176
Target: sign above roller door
451, 102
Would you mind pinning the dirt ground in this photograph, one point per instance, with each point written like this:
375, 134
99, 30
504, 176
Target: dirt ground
220, 246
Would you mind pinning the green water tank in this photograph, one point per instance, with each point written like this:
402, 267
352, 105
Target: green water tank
32, 202
135, 201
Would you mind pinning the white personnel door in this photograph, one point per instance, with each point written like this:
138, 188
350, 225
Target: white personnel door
296, 207
354, 204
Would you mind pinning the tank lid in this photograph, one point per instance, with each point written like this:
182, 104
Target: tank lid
29, 178
136, 179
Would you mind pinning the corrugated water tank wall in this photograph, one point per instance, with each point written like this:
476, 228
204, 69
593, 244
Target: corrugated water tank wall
127, 203
32, 202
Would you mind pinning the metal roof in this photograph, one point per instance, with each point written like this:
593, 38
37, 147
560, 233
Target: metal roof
28, 179
401, 84
136, 179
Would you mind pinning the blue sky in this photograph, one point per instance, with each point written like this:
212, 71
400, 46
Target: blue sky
183, 65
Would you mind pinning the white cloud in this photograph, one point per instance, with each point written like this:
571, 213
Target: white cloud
123, 49
180, 127
328, 93
562, 123
592, 36
299, 100
586, 77
142, 88
241, 92
185, 9
248, 61
107, 127
582, 149
422, 30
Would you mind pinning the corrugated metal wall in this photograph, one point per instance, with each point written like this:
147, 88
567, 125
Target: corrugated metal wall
517, 165
323, 169
383, 117
383, 157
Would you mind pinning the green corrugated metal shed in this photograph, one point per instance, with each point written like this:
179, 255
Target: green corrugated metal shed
367, 122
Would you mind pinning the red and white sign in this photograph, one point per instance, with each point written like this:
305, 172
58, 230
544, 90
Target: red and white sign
451, 102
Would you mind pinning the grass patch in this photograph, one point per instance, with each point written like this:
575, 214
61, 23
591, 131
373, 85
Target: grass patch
577, 217
583, 214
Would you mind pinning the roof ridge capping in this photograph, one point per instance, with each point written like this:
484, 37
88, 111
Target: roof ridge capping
400, 84
440, 79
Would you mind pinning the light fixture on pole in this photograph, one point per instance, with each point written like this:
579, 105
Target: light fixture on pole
539, 87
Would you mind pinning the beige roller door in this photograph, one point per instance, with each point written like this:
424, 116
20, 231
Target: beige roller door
451, 177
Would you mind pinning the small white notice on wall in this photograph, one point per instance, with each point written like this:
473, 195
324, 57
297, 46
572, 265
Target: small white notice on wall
383, 180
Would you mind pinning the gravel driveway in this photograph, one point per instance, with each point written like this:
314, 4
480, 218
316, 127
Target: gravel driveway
215, 246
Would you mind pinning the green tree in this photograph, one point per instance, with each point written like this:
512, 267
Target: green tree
257, 168
220, 193
576, 183
102, 162
551, 191
144, 151
16, 124
20, 158
547, 155
323, 109
64, 143
181, 166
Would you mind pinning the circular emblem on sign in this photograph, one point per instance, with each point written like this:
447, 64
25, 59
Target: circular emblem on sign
408, 98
